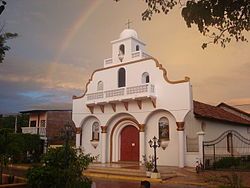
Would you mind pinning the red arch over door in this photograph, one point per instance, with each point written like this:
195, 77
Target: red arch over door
130, 143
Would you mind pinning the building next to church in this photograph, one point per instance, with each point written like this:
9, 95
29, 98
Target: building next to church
130, 100
48, 124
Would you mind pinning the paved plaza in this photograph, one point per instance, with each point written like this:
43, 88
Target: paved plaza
119, 175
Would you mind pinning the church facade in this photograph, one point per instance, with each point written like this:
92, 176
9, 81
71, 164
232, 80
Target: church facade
130, 100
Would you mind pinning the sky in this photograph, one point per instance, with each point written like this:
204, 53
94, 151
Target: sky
61, 42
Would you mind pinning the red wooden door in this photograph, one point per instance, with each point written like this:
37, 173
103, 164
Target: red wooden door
130, 144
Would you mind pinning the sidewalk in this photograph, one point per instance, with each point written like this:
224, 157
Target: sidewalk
182, 177
136, 173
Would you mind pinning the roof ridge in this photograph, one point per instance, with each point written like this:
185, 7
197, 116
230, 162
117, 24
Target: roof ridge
234, 108
214, 112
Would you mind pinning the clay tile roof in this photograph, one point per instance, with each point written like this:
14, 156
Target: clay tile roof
233, 108
216, 113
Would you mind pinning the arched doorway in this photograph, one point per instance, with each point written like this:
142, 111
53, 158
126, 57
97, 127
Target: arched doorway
130, 144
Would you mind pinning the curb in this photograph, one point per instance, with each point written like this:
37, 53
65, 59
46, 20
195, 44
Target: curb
20, 167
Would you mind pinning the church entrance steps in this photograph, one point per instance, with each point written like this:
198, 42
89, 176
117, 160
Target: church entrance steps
125, 171
116, 171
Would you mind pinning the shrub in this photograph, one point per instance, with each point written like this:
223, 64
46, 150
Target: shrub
148, 163
21, 144
227, 162
62, 168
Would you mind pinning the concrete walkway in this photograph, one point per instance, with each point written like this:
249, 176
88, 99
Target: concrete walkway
135, 173
129, 176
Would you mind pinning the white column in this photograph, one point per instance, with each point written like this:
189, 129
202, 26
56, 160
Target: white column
142, 142
78, 144
180, 129
104, 144
201, 139
142, 145
181, 148
104, 135
78, 136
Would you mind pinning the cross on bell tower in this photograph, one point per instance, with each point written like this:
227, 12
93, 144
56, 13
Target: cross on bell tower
128, 23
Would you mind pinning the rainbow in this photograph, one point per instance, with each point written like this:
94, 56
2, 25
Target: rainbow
74, 28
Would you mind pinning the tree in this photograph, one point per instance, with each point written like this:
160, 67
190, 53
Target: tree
14, 147
4, 36
219, 20
63, 167
2, 7
21, 144
4, 150
8, 121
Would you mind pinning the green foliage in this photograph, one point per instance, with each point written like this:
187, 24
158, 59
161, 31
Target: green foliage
227, 162
4, 36
148, 163
4, 150
16, 146
219, 20
229, 17
63, 167
9, 121
3, 47
23, 143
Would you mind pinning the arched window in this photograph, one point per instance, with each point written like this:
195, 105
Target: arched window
121, 52
145, 78
100, 86
122, 49
95, 131
137, 48
163, 125
121, 77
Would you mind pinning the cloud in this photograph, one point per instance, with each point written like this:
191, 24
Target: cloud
25, 84
239, 101
22, 96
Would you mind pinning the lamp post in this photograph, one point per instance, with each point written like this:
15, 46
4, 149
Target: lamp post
155, 144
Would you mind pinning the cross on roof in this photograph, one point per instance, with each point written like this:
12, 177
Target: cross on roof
128, 23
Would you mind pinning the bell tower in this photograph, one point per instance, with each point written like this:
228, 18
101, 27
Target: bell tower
127, 48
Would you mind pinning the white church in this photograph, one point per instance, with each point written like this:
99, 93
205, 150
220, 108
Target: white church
130, 100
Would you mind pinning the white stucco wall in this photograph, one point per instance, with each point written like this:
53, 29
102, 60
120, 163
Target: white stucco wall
212, 129
87, 136
169, 156
173, 100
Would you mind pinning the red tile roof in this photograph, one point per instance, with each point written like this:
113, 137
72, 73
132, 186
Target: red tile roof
216, 113
233, 108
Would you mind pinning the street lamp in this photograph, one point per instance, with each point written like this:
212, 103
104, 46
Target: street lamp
155, 144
